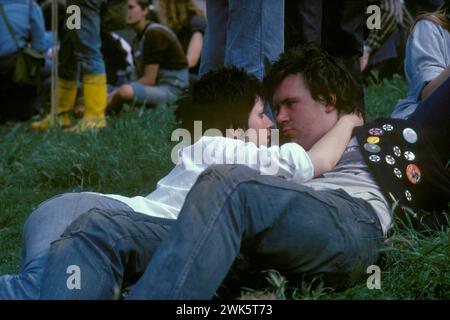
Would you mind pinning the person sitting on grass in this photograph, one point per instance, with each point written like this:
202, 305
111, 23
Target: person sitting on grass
217, 99
161, 64
427, 68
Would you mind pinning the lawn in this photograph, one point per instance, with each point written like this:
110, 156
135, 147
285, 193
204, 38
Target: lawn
133, 153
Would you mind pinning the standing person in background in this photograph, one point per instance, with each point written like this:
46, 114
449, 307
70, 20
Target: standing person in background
188, 22
27, 23
333, 25
80, 52
247, 34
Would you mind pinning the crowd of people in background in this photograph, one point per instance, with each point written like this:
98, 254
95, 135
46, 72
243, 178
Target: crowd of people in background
312, 57
169, 43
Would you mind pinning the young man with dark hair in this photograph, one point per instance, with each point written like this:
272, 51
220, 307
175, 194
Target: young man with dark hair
331, 226
163, 205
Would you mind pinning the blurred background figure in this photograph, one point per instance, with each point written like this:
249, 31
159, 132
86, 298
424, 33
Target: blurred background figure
161, 67
43, 100
80, 58
188, 22
333, 25
27, 29
384, 48
246, 34
427, 60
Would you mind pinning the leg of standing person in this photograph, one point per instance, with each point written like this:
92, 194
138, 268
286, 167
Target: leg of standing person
213, 52
255, 36
81, 48
67, 85
46, 224
342, 34
305, 20
88, 49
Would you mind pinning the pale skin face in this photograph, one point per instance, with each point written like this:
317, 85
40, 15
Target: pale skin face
259, 122
302, 119
136, 15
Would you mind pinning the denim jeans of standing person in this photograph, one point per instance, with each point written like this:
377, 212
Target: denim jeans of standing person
80, 48
247, 34
46, 224
324, 233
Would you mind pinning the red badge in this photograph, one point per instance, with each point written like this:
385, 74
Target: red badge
413, 173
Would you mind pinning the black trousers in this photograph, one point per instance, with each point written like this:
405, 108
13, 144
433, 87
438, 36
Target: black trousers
16, 102
334, 25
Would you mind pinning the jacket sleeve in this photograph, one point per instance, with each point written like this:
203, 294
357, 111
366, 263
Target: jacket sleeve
289, 161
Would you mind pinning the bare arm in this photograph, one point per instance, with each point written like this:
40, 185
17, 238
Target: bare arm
326, 152
194, 49
150, 74
435, 83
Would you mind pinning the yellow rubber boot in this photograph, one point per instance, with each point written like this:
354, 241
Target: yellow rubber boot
95, 97
66, 96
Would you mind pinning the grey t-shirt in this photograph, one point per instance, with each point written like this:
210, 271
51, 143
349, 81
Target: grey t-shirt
352, 175
427, 55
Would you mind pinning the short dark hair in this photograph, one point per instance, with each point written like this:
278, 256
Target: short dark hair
221, 99
323, 75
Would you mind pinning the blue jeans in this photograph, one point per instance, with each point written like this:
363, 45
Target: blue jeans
231, 208
170, 85
247, 34
43, 226
433, 114
80, 48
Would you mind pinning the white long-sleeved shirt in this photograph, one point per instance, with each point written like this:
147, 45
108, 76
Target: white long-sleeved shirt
289, 161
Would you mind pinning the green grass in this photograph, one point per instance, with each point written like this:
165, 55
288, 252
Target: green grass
133, 153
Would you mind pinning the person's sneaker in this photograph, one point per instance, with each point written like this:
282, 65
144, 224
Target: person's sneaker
62, 120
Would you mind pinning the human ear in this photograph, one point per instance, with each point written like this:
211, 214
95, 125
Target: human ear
331, 106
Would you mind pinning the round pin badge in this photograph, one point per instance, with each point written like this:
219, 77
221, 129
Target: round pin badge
398, 173
375, 132
413, 173
373, 140
388, 127
408, 195
390, 160
397, 151
372, 148
410, 135
409, 156
374, 158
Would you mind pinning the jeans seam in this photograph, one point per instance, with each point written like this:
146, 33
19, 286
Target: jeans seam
201, 242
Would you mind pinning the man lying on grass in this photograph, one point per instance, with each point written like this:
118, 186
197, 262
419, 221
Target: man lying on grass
224, 100
330, 226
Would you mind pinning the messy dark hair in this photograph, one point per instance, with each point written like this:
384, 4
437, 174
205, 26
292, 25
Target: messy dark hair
221, 99
323, 74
